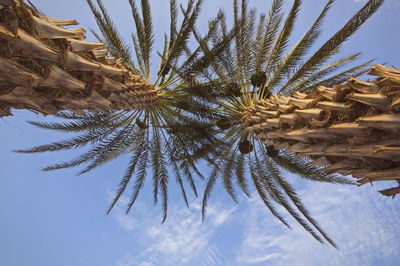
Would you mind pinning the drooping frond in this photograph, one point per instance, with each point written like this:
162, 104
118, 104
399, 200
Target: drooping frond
241, 174
209, 187
141, 173
271, 177
296, 201
306, 170
139, 145
227, 169
258, 176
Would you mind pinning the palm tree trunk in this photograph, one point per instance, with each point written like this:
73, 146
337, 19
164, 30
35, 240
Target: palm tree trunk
349, 129
47, 68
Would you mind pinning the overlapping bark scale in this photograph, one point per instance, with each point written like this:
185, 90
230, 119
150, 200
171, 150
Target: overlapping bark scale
46, 68
349, 129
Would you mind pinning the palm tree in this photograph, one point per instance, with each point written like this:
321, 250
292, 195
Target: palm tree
209, 90
47, 68
158, 131
350, 129
260, 64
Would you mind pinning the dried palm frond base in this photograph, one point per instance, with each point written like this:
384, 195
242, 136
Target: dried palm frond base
350, 129
47, 68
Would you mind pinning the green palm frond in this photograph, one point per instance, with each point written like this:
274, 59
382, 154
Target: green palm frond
264, 42
340, 77
227, 170
216, 171
83, 123
145, 36
296, 54
304, 169
263, 192
141, 173
271, 176
283, 37
73, 143
314, 80
173, 7
139, 144
116, 46
325, 52
191, 14
292, 195
241, 174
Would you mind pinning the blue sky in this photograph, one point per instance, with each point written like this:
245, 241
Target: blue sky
58, 219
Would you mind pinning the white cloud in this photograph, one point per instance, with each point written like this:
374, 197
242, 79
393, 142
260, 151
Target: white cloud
259, 259
146, 264
363, 224
218, 215
213, 256
181, 239
127, 222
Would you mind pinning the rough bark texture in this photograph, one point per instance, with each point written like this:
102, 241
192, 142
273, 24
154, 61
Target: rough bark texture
46, 68
350, 129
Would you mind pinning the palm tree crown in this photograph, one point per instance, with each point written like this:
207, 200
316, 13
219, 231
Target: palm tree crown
154, 136
261, 65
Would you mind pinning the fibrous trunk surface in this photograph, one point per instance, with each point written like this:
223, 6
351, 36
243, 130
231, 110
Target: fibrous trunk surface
349, 129
47, 68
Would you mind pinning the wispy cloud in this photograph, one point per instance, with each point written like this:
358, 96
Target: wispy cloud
181, 239
364, 225
127, 222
